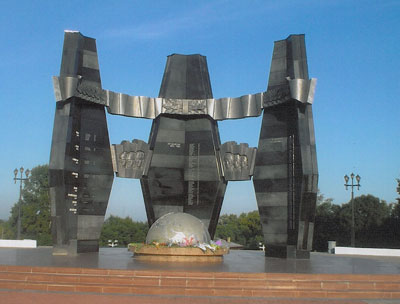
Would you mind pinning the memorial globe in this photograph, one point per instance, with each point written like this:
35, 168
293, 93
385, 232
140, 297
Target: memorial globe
178, 228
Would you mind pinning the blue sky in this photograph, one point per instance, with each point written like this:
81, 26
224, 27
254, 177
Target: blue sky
352, 47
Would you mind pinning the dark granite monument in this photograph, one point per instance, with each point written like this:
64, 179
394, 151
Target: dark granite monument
184, 167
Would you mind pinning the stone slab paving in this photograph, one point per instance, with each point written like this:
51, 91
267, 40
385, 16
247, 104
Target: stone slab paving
12, 297
244, 263
235, 261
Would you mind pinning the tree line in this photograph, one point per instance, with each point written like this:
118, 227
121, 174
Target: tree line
377, 223
35, 210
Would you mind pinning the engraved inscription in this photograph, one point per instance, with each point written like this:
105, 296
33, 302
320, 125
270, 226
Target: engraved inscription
194, 183
174, 145
291, 181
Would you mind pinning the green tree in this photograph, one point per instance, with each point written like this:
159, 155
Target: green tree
327, 225
250, 227
371, 217
2, 228
228, 227
5, 230
35, 208
369, 211
394, 222
245, 229
124, 230
396, 206
398, 189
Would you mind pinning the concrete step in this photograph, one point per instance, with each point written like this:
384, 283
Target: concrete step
142, 282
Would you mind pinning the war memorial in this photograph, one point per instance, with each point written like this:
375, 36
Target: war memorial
184, 170
184, 167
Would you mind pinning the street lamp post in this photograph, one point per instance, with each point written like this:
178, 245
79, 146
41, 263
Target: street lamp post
21, 179
352, 185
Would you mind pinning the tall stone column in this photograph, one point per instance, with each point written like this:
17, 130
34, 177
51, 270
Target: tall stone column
80, 170
184, 173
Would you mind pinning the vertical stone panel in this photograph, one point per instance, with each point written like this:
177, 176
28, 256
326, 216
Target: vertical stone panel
80, 170
286, 160
184, 173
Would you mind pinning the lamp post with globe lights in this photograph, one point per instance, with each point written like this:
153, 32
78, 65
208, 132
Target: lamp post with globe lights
352, 185
21, 179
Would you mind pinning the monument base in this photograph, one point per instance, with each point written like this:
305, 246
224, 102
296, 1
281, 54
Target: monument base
243, 274
177, 254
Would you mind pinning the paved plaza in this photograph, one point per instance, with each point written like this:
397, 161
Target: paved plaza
235, 261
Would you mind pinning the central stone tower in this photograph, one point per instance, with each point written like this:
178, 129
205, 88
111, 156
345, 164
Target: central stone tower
185, 170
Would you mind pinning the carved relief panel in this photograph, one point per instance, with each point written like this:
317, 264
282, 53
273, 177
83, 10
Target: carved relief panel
237, 160
131, 159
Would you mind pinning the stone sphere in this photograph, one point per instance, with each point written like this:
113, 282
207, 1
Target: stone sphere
178, 228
